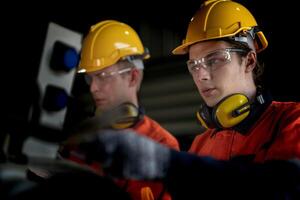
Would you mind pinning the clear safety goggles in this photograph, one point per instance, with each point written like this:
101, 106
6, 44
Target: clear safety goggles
212, 61
104, 77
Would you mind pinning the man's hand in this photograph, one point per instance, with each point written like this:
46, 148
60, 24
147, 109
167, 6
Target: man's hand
126, 154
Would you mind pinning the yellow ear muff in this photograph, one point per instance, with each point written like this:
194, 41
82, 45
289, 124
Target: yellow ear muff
231, 110
126, 116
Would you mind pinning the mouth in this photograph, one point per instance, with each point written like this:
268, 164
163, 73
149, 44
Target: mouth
99, 102
207, 92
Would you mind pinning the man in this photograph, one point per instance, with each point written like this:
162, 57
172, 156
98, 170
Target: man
112, 58
243, 122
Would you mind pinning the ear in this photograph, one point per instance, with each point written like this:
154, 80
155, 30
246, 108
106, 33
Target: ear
134, 77
251, 61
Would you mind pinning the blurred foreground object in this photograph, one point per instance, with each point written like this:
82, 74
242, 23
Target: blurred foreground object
124, 154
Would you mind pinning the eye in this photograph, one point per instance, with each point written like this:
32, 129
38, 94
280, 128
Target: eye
196, 68
193, 65
101, 75
216, 59
87, 79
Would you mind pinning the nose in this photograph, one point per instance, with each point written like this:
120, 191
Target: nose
94, 86
202, 74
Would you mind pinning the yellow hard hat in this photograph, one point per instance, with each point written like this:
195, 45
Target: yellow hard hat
108, 42
220, 19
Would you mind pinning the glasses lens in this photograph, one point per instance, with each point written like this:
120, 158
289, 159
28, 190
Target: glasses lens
217, 59
193, 65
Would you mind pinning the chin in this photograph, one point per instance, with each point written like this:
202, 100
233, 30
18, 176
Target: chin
102, 108
211, 102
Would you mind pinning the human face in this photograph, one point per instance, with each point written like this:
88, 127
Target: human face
214, 83
110, 86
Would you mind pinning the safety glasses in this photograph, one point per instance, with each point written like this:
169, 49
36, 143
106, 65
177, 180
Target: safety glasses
213, 61
104, 77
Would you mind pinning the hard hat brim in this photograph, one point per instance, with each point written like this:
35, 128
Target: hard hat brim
182, 49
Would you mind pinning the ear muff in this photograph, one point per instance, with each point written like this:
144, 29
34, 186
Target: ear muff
123, 116
229, 112
204, 117
128, 116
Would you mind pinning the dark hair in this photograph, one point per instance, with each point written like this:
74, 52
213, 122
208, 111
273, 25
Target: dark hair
259, 68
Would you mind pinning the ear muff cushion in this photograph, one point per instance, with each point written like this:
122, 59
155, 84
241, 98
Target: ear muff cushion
201, 120
204, 117
231, 110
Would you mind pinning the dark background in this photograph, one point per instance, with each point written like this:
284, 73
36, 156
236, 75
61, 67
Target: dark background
24, 24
